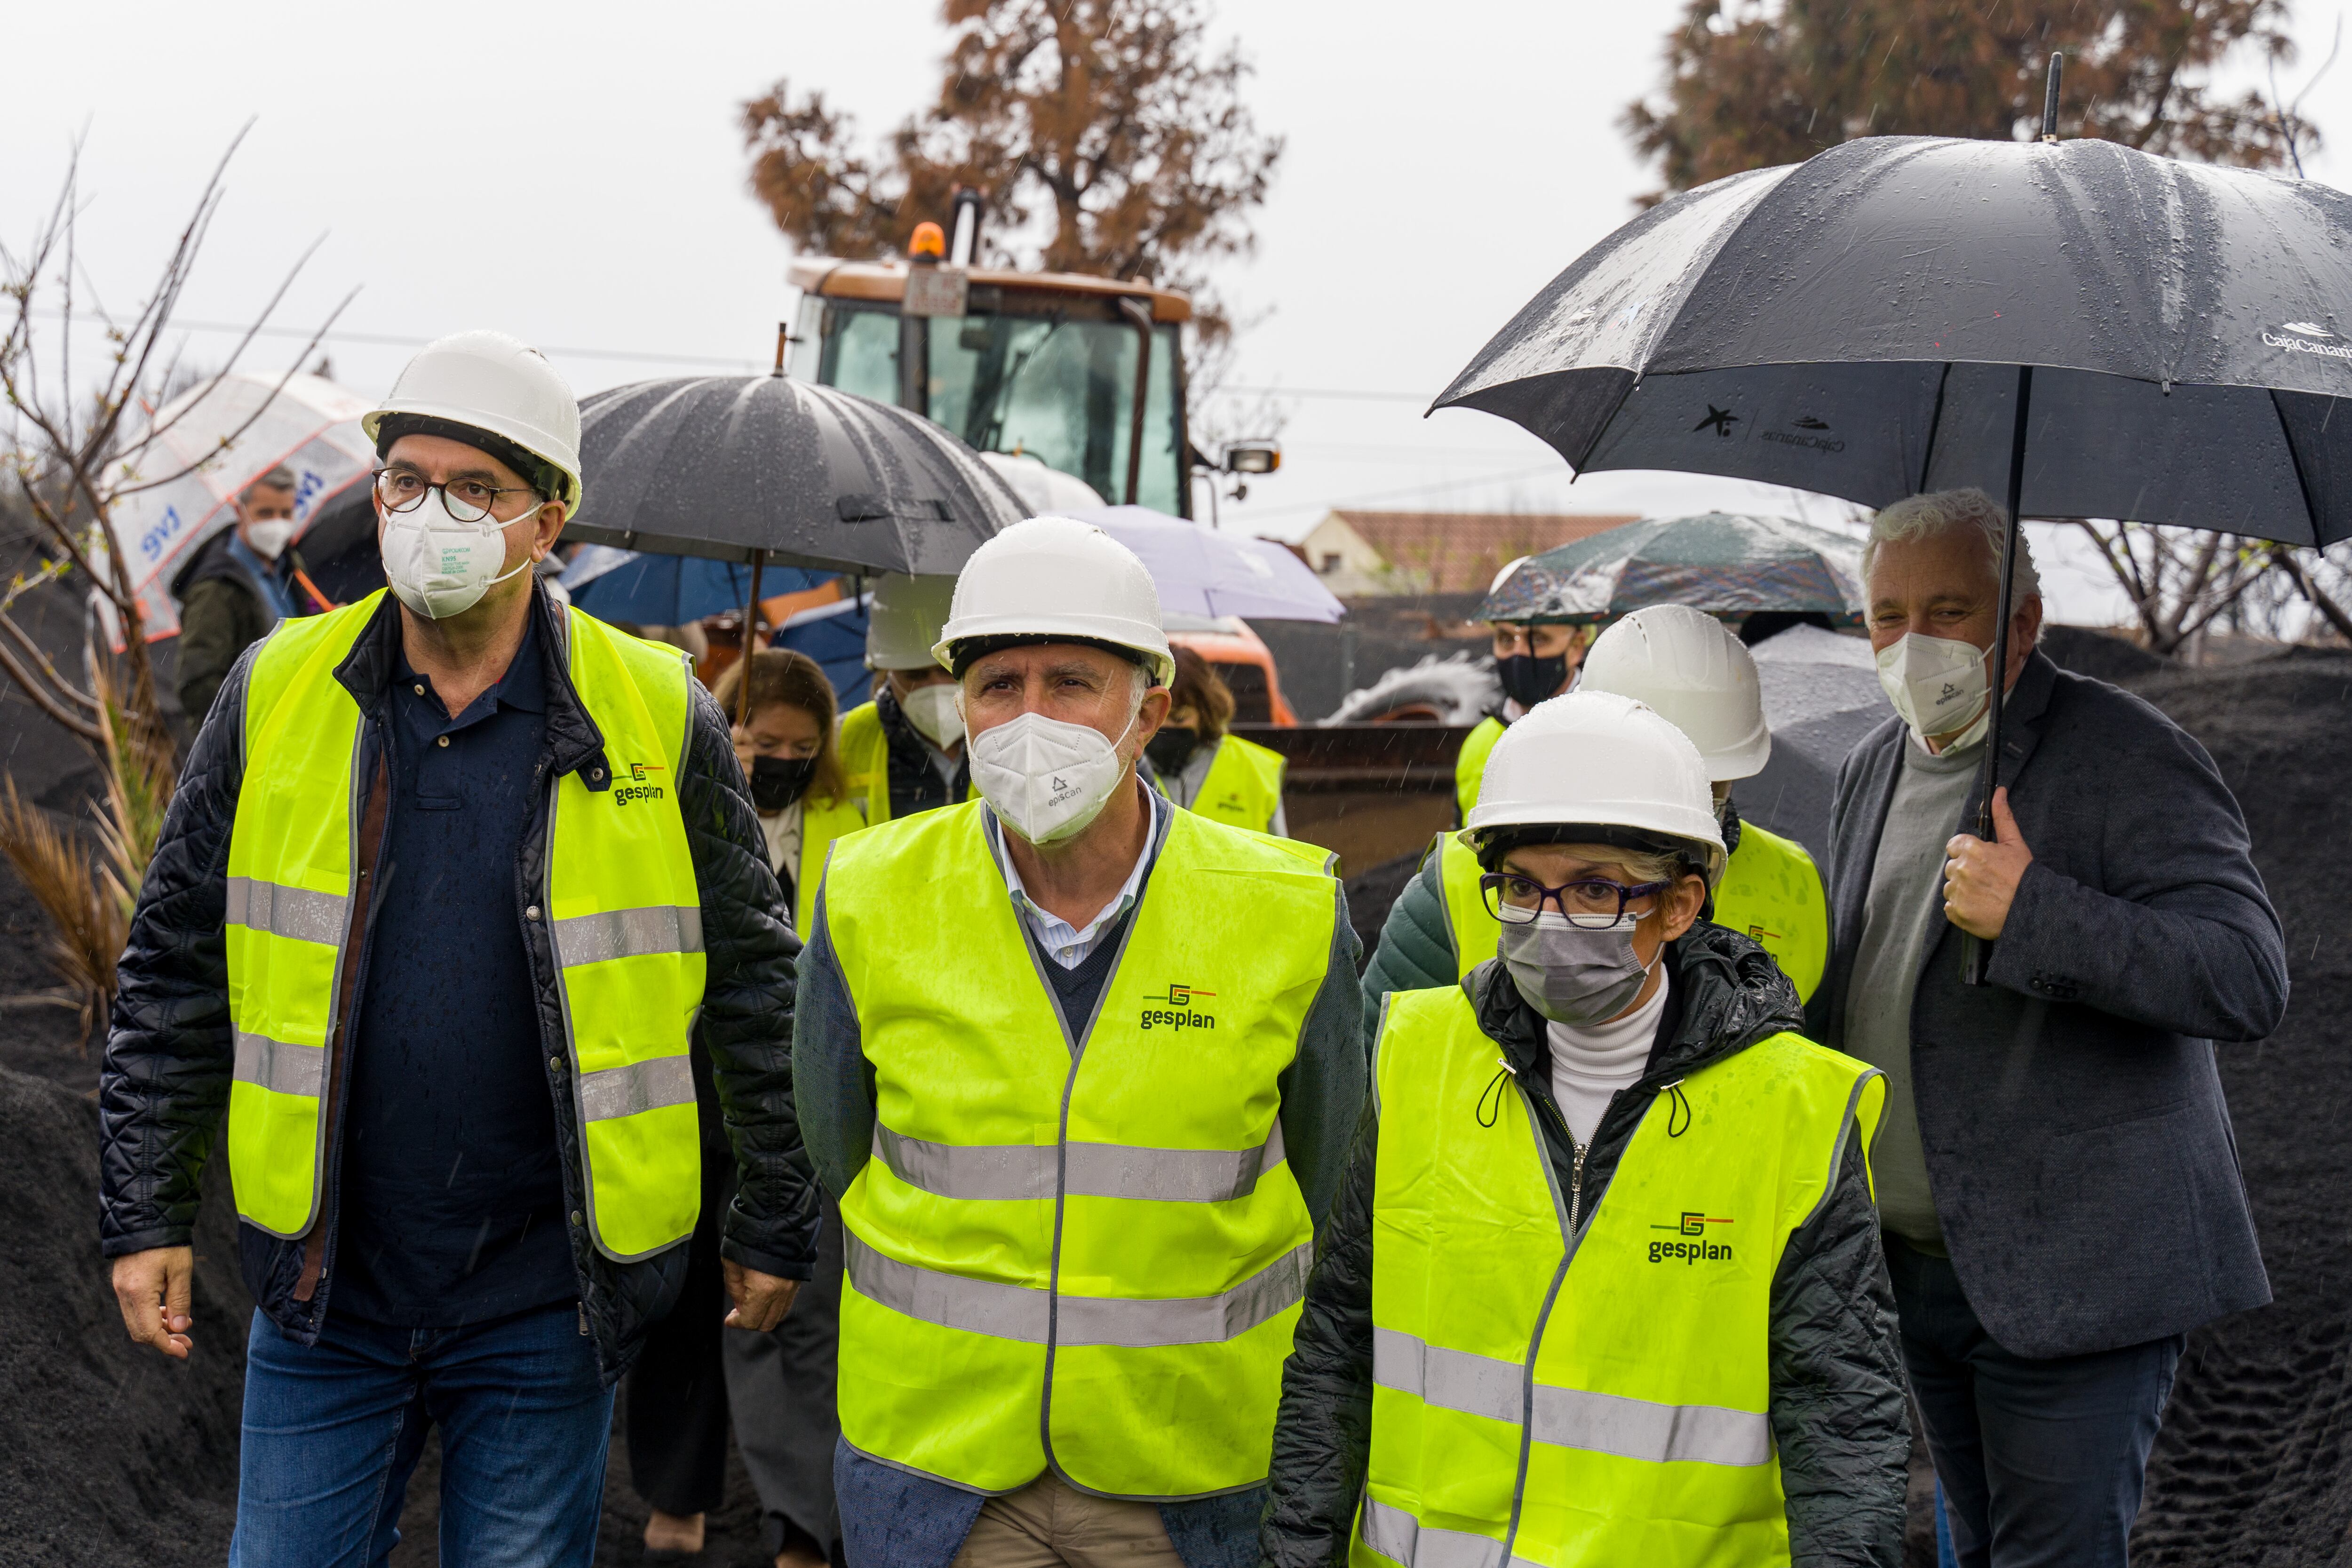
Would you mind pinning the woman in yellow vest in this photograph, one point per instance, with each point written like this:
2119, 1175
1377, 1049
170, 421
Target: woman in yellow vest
1200, 767
787, 746
1604, 1288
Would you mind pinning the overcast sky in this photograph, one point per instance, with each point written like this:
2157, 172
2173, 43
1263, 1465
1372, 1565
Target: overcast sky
576, 175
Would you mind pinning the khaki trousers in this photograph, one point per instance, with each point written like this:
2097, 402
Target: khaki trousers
1051, 1524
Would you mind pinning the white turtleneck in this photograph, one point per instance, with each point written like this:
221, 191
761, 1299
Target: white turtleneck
1590, 1063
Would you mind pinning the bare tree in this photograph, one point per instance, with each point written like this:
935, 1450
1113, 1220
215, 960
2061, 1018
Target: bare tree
83, 432
1111, 137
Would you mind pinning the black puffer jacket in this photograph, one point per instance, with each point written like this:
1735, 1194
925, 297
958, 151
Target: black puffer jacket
1837, 1403
168, 1056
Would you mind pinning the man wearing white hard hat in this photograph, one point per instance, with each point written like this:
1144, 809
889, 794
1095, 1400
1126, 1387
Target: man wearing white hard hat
1687, 667
904, 750
1082, 1067
461, 908
1604, 1286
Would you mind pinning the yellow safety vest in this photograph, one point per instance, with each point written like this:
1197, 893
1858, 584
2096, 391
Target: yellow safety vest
1769, 892
865, 759
623, 913
1243, 786
1598, 1399
1077, 1243
820, 825
1470, 763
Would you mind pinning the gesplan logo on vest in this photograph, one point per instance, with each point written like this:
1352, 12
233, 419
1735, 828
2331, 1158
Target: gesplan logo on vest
1178, 1013
640, 786
1690, 1223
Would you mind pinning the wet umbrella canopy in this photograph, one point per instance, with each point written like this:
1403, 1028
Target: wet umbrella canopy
1852, 324
1724, 564
2082, 328
772, 471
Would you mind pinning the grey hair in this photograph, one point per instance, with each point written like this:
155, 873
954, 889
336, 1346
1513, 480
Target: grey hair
1945, 512
280, 478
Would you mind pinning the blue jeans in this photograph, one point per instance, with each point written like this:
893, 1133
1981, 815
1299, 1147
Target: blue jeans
2041, 1462
333, 1431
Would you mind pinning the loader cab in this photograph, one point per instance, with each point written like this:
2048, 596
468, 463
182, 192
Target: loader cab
1085, 374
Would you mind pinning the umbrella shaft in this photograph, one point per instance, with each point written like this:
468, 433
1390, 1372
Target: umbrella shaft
1976, 954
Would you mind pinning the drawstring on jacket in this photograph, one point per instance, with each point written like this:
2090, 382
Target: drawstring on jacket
1503, 1071
1678, 1113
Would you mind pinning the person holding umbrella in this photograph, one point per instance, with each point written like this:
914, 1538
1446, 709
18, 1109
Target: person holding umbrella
1081, 1068
1603, 1287
904, 750
2057, 1177
456, 887
1533, 660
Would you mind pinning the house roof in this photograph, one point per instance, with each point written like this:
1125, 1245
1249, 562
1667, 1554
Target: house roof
1460, 551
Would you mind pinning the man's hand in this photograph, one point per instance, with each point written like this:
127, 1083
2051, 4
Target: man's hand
761, 1299
152, 1288
1981, 879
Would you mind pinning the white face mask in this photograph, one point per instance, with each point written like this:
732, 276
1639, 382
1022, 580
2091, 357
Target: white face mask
439, 566
1937, 684
934, 712
269, 537
1045, 778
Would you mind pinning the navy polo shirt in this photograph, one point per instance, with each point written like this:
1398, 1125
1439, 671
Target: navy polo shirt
451, 1204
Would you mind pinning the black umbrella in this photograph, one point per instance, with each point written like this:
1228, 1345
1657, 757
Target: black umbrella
773, 471
2092, 330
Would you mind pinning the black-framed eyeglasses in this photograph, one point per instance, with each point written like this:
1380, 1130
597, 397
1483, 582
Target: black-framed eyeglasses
1594, 903
469, 500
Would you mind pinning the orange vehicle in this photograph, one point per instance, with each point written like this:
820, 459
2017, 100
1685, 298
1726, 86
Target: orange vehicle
1244, 663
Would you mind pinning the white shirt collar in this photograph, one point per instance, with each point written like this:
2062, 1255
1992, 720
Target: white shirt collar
1055, 933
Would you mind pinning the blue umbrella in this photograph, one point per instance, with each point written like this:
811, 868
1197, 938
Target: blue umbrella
614, 585
834, 635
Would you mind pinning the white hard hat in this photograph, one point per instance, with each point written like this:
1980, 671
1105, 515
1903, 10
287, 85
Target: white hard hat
904, 620
1057, 577
1593, 759
1687, 666
489, 382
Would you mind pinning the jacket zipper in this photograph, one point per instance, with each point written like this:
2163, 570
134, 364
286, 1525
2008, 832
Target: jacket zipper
1576, 1183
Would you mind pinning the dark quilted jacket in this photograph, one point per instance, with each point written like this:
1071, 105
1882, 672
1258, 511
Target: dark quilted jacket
168, 1056
1837, 1400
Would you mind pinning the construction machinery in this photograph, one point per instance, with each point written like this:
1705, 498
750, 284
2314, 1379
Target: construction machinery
1083, 374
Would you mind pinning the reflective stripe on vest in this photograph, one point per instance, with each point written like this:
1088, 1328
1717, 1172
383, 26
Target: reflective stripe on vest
1243, 786
1075, 1243
622, 912
1585, 1400
1470, 761
1769, 893
1090, 1170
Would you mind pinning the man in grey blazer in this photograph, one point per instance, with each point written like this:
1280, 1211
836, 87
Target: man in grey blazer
2056, 1172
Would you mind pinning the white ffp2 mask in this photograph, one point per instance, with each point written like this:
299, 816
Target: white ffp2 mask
1937, 684
1046, 778
932, 711
269, 537
439, 566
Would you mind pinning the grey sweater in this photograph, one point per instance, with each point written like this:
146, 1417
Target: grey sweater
1903, 915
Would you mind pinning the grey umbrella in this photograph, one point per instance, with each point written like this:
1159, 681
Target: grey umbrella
773, 471
2084, 327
